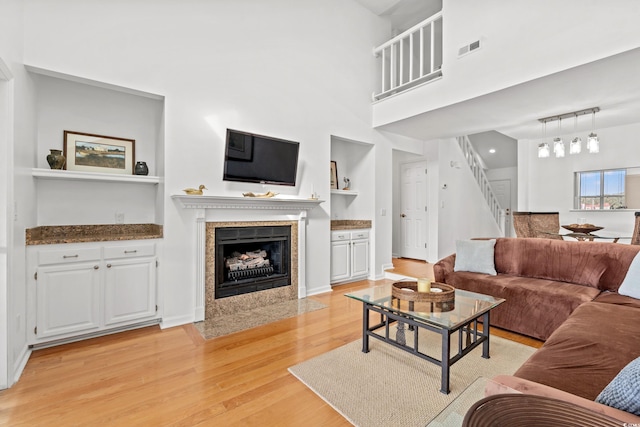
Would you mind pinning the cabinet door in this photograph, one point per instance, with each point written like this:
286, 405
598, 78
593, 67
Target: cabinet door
340, 260
68, 299
130, 290
359, 258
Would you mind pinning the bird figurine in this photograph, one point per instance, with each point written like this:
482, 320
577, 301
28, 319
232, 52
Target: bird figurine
195, 191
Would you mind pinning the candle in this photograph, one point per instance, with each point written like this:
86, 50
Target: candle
424, 285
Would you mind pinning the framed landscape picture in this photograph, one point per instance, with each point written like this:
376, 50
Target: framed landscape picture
97, 153
334, 175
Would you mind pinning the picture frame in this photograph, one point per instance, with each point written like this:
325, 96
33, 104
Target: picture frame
334, 175
87, 152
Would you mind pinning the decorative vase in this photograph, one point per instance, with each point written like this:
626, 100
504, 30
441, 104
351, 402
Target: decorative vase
56, 159
141, 168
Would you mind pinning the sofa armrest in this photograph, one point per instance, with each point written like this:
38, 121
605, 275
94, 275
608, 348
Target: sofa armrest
442, 268
529, 387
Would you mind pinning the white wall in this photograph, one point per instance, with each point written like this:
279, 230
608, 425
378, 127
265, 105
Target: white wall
544, 45
463, 212
289, 69
20, 137
547, 184
65, 105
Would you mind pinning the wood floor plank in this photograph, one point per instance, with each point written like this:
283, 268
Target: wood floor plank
174, 377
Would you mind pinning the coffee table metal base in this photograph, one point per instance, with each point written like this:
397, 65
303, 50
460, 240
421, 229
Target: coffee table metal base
473, 337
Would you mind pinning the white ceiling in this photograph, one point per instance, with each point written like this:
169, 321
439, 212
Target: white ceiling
403, 14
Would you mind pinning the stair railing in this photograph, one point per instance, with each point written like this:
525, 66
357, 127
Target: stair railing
475, 164
411, 58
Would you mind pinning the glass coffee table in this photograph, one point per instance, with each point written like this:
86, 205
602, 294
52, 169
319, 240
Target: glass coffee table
463, 315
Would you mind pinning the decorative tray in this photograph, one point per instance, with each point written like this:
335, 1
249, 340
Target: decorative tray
582, 228
408, 291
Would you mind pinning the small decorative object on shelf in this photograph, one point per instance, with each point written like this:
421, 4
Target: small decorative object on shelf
195, 191
347, 183
56, 159
266, 195
141, 168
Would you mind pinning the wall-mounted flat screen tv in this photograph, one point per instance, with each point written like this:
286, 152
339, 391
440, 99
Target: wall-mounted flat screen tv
262, 159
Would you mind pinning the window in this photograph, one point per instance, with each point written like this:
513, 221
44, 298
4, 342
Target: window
603, 189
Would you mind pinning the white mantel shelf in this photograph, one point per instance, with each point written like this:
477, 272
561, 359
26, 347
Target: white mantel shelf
229, 202
91, 176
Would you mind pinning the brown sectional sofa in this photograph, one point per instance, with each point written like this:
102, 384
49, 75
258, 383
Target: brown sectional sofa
565, 293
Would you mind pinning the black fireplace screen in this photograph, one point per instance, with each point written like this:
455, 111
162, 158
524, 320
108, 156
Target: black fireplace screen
251, 259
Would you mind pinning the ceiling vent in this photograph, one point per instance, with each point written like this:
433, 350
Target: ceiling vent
471, 47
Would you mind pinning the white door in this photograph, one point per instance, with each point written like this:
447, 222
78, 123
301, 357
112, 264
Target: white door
502, 190
359, 258
68, 299
413, 210
130, 290
340, 260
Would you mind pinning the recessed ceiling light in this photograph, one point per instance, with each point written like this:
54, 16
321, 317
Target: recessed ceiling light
492, 150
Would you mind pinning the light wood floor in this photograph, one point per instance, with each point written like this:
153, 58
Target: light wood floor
173, 377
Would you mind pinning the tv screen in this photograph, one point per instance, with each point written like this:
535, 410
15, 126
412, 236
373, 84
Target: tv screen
261, 159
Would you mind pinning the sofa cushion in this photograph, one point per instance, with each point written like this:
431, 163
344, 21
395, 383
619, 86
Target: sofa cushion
534, 307
624, 391
631, 284
587, 351
595, 264
475, 256
616, 298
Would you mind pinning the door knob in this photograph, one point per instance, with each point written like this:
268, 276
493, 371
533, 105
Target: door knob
402, 215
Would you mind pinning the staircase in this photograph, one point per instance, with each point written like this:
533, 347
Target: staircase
475, 165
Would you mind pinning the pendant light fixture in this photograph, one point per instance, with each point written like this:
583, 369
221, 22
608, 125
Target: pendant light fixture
543, 148
558, 143
575, 146
593, 143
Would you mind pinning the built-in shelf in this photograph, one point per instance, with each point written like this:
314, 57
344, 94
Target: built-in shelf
345, 192
229, 202
92, 176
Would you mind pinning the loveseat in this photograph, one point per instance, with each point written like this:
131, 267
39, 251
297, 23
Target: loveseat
566, 294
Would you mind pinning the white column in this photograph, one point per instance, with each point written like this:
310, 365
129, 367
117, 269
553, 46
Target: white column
201, 234
302, 254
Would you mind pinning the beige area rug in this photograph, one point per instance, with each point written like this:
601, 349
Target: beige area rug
225, 325
388, 386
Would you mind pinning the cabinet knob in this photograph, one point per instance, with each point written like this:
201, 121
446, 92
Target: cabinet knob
108, 265
95, 267
403, 215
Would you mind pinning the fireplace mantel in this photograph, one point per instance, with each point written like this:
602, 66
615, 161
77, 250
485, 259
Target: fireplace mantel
230, 202
225, 208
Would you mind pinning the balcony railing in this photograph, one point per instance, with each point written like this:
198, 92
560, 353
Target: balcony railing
411, 58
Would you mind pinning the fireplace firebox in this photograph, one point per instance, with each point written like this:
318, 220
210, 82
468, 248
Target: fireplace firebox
251, 259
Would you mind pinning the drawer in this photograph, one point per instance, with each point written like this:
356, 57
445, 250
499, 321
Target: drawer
129, 251
359, 235
62, 256
340, 235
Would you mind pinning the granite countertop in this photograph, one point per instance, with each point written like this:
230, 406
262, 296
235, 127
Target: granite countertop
55, 234
350, 224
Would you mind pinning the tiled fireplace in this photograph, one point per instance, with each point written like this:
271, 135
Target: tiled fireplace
224, 292
213, 212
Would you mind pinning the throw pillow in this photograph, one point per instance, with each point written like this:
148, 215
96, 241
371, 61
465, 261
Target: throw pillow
631, 284
475, 256
623, 392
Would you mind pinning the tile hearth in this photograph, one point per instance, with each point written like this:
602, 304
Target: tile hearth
228, 324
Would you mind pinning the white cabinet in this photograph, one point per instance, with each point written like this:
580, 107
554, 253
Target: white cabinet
349, 255
90, 288
68, 299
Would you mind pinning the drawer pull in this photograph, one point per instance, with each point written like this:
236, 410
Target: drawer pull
131, 252
69, 256
108, 265
95, 267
